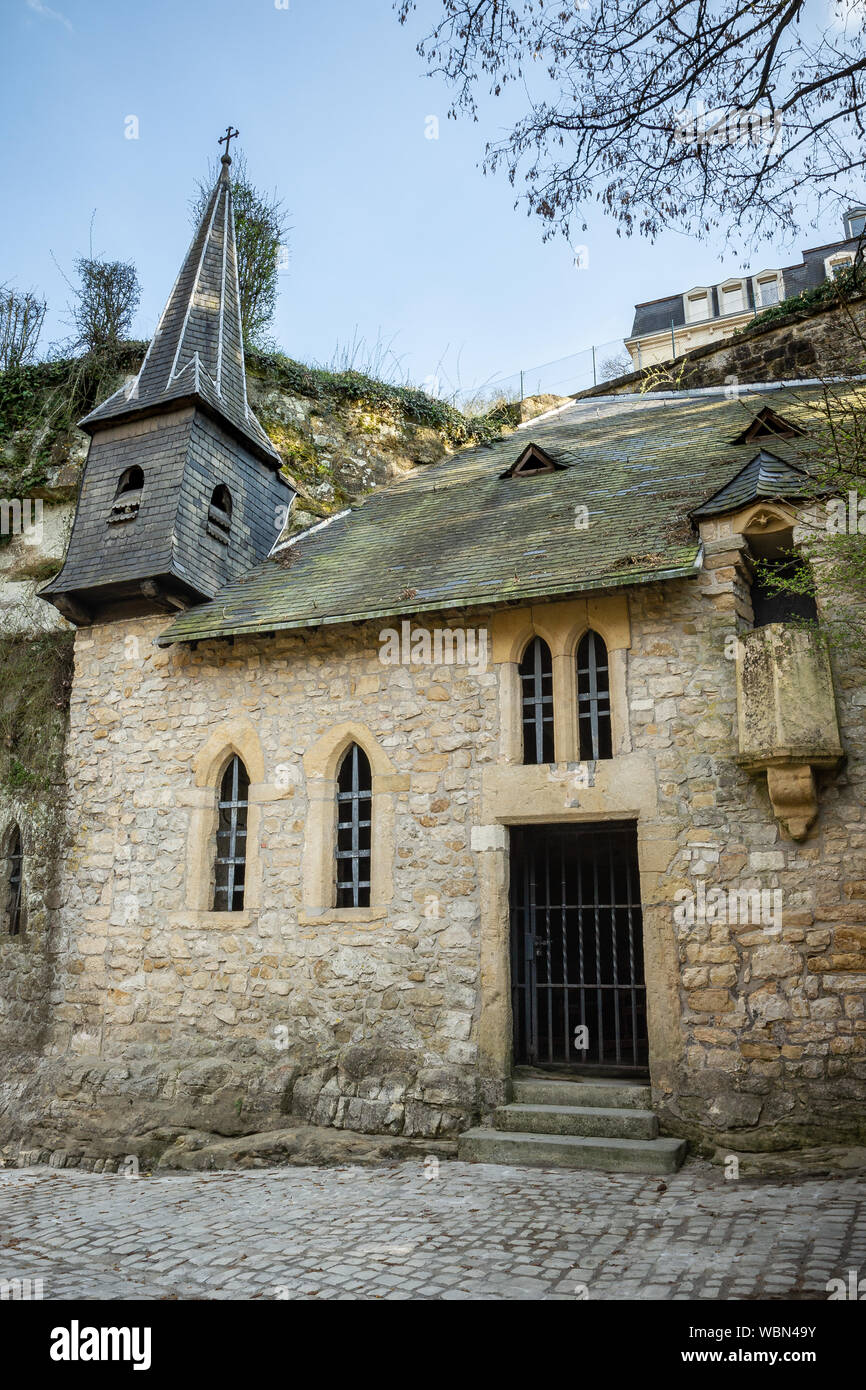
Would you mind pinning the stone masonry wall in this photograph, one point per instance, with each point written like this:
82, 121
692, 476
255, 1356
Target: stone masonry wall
825, 342
170, 1020
162, 1020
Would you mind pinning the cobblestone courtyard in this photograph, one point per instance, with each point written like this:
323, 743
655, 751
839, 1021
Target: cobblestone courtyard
405, 1230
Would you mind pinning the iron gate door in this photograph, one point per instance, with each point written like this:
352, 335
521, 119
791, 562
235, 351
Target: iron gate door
577, 980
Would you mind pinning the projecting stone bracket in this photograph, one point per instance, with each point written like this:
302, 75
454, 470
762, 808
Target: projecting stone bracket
787, 718
793, 791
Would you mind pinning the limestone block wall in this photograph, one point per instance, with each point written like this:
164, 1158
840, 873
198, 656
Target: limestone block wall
769, 933
362, 1019
396, 1018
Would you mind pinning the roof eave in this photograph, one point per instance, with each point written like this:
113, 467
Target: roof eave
620, 580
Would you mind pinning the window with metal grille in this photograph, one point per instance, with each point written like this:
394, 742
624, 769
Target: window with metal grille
15, 860
593, 698
231, 840
354, 828
536, 689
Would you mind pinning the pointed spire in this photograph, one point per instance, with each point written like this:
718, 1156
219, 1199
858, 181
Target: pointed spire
197, 349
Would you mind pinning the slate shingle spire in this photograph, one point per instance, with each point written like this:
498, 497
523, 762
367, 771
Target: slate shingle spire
182, 490
197, 349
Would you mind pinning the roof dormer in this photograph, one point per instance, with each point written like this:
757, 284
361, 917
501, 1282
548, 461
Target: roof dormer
532, 461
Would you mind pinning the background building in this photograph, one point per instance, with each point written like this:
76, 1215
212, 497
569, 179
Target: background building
678, 323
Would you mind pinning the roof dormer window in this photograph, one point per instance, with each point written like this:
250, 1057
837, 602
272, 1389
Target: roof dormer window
768, 424
697, 306
732, 297
767, 290
532, 461
855, 222
127, 498
834, 265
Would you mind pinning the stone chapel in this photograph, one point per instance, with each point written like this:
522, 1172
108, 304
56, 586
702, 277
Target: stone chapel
507, 806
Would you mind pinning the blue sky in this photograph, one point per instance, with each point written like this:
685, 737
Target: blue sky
395, 235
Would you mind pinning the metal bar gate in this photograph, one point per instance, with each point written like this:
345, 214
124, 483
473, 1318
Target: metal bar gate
577, 981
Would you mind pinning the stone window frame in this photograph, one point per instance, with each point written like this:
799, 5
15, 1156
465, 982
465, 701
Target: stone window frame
702, 293
766, 277
235, 737
318, 869
14, 827
735, 283
839, 258
561, 625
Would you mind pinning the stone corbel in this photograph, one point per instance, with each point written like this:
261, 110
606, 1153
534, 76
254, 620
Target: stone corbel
795, 800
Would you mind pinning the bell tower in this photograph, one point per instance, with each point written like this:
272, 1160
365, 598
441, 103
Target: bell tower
182, 489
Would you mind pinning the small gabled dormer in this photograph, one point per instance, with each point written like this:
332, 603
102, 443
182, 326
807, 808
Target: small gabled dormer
768, 424
532, 461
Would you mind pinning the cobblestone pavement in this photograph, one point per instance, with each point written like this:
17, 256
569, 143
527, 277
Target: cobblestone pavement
404, 1231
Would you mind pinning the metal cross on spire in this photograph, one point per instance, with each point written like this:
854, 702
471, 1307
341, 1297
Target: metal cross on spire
227, 139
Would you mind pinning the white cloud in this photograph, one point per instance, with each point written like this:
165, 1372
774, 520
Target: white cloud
47, 13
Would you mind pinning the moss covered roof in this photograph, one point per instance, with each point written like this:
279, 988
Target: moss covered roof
457, 534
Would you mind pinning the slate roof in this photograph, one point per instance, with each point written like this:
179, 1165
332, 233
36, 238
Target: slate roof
196, 352
765, 475
456, 534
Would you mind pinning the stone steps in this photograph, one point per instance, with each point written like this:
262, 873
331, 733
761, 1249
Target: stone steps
582, 1123
571, 1151
620, 1095
605, 1122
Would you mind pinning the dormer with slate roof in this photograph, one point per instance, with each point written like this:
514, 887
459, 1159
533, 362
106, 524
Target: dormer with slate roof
182, 490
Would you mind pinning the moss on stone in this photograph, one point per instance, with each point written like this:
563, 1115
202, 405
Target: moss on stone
35, 681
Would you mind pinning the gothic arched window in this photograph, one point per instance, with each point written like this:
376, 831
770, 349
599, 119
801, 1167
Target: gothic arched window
231, 838
354, 828
536, 692
14, 864
593, 698
219, 514
127, 498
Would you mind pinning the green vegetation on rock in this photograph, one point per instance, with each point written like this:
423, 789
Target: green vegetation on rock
847, 284
35, 680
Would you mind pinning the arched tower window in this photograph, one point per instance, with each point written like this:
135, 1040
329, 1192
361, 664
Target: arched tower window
127, 498
231, 839
219, 514
354, 828
778, 562
593, 698
536, 689
14, 865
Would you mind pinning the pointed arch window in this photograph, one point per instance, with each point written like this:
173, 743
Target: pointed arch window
219, 514
536, 690
127, 498
231, 838
15, 864
593, 698
354, 828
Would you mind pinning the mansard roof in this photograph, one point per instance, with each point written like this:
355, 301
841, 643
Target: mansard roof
196, 353
457, 534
